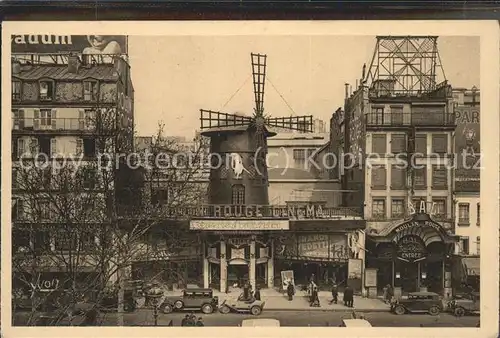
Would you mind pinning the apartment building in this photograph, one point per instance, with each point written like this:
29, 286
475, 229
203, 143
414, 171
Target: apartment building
65, 109
466, 184
399, 132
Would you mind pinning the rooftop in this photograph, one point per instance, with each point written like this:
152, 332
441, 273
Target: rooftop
61, 72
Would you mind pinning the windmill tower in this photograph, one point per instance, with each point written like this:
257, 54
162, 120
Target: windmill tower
238, 145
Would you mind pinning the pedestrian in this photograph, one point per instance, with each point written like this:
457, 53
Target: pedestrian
290, 291
385, 289
257, 293
348, 296
390, 293
200, 322
246, 291
192, 319
171, 323
185, 321
335, 294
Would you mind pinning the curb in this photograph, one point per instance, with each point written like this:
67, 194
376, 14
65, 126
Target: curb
325, 310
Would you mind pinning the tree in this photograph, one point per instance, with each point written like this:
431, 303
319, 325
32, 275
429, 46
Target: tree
73, 213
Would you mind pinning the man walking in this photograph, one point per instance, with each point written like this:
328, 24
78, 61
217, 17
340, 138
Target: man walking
349, 296
290, 291
256, 295
335, 294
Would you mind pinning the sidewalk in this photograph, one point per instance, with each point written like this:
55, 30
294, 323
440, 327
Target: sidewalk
279, 301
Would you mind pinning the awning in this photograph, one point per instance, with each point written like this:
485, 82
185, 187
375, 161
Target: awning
471, 265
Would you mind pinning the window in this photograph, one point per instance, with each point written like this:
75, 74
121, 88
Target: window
44, 145
398, 143
41, 241
18, 119
46, 90
44, 210
89, 148
45, 177
379, 144
439, 208
20, 241
15, 178
420, 178
159, 196
464, 245
478, 222
21, 147
377, 115
65, 241
87, 241
299, 156
17, 209
439, 177
90, 90
378, 208
379, 178
238, 194
45, 119
478, 245
421, 144
439, 143
89, 178
396, 115
463, 214
87, 119
79, 147
398, 177
16, 90
398, 208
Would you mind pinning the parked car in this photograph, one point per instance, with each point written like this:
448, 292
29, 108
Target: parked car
418, 302
355, 323
109, 301
191, 299
268, 322
240, 305
466, 304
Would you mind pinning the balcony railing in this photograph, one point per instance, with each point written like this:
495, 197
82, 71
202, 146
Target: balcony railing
52, 124
413, 119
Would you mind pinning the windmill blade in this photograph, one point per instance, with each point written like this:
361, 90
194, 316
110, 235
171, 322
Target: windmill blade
303, 124
213, 119
259, 79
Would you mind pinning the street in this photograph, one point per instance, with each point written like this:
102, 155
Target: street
301, 318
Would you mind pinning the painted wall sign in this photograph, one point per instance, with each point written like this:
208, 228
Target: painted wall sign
422, 207
467, 147
86, 44
239, 225
323, 246
411, 248
413, 224
370, 278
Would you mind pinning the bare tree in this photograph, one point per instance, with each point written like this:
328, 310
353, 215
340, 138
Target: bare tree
88, 217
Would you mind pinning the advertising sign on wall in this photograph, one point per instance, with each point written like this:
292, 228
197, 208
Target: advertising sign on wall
286, 278
86, 44
467, 147
354, 269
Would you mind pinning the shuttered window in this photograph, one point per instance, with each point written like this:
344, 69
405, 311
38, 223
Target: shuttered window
398, 143
420, 178
397, 208
439, 143
379, 178
398, 177
378, 208
421, 144
439, 177
379, 144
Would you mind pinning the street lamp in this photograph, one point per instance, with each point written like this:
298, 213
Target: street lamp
155, 294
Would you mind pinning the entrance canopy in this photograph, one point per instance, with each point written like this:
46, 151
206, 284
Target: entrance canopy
425, 228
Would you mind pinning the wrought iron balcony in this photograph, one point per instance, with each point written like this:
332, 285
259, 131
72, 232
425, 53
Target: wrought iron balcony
52, 124
430, 119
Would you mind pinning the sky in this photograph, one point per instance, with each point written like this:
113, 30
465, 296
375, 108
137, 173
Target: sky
176, 76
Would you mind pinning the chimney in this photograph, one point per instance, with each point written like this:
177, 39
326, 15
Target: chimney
356, 83
16, 67
73, 64
346, 90
350, 90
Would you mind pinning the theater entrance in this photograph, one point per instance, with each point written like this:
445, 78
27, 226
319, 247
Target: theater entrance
237, 275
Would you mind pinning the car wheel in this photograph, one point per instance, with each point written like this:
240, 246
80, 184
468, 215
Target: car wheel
167, 308
459, 312
178, 305
224, 309
256, 310
434, 311
399, 310
207, 309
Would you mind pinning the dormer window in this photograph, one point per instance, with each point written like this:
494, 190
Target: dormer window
90, 90
46, 90
16, 90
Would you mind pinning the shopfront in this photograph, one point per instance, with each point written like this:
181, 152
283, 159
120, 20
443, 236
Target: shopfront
412, 255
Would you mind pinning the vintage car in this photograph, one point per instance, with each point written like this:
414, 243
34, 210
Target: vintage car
191, 299
355, 323
466, 304
240, 305
418, 302
264, 322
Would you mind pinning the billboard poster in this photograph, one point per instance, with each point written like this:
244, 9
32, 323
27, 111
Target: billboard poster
467, 148
55, 44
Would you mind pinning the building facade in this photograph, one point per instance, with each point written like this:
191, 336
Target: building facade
399, 146
466, 183
61, 103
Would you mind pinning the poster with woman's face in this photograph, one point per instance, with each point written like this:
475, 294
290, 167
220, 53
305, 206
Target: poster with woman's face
86, 44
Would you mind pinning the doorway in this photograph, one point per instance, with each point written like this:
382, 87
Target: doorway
408, 276
237, 274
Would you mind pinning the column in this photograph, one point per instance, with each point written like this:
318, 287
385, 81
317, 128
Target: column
251, 272
362, 256
223, 267
206, 268
270, 266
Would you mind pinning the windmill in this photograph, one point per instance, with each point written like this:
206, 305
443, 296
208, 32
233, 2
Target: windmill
242, 140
